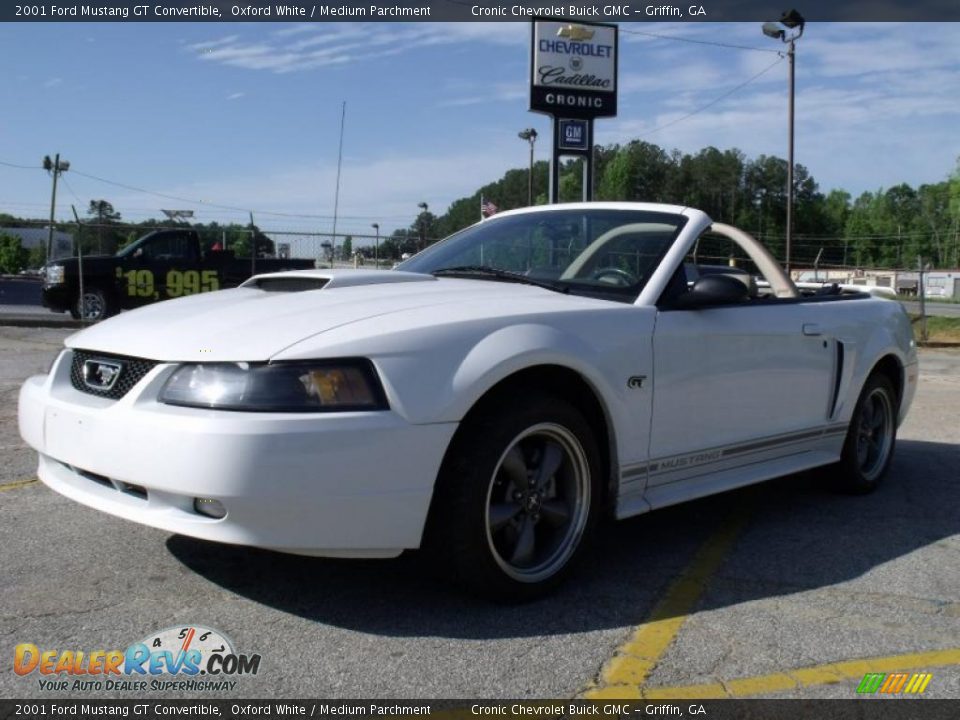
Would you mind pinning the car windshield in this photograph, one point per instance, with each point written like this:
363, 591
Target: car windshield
600, 252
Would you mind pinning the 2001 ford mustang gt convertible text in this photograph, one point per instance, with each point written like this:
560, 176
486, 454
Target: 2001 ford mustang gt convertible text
491, 398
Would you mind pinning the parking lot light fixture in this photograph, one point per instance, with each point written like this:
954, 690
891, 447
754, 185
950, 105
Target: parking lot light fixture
530, 135
421, 225
790, 21
376, 247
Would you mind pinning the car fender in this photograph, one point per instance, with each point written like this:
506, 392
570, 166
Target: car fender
890, 334
518, 347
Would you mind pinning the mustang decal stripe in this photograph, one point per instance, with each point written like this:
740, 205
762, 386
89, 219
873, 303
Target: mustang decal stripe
762, 444
718, 454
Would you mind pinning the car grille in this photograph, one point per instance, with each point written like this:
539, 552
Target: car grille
132, 371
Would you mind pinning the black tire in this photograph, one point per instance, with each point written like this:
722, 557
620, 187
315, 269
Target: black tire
95, 306
871, 438
516, 499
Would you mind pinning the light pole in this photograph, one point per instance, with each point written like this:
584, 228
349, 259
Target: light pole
423, 231
376, 247
530, 135
54, 167
791, 20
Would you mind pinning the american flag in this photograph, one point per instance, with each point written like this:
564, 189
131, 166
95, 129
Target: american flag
487, 208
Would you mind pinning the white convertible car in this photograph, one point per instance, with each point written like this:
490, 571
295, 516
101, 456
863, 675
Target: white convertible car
491, 399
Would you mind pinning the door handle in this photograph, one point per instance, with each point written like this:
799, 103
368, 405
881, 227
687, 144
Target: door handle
811, 329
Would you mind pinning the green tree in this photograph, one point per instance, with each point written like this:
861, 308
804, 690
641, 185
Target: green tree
346, 250
13, 256
103, 237
240, 244
637, 171
37, 256
424, 229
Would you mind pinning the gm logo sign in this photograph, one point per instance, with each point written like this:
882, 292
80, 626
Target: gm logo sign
574, 135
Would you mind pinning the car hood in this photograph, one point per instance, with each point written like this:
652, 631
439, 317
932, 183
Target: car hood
251, 324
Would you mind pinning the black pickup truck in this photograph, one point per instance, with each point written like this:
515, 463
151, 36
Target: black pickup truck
161, 265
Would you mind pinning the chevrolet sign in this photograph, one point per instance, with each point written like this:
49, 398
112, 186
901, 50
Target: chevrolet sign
574, 69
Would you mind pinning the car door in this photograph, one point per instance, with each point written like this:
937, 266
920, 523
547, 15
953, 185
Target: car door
736, 385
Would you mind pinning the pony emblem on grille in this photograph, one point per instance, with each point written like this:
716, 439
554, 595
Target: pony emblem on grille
101, 374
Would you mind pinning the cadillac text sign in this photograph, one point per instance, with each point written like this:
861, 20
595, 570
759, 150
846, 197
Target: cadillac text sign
574, 69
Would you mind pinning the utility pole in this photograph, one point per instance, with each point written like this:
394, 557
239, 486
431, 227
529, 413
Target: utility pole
81, 305
253, 247
920, 294
376, 247
100, 226
791, 55
54, 167
899, 247
336, 194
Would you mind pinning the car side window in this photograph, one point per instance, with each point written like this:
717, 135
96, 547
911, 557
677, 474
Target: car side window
170, 247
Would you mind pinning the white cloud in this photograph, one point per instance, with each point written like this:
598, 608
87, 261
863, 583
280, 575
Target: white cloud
236, 96
501, 92
53, 82
308, 47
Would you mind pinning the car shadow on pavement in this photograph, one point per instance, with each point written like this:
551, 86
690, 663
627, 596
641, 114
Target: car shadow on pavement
800, 535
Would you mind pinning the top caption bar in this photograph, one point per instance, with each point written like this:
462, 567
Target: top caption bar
466, 11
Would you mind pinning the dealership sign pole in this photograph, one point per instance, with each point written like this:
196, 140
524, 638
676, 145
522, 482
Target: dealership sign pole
573, 78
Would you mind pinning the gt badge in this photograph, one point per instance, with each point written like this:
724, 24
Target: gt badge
635, 382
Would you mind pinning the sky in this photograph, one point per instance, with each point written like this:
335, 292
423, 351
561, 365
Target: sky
247, 115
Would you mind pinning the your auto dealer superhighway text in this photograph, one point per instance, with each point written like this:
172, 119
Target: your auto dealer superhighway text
575, 11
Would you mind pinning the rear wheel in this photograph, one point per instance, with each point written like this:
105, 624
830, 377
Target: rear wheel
871, 438
516, 498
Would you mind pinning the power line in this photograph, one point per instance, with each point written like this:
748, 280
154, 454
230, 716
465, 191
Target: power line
70, 189
698, 42
203, 203
717, 99
218, 206
21, 167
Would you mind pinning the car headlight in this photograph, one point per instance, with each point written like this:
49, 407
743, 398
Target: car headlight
54, 274
310, 386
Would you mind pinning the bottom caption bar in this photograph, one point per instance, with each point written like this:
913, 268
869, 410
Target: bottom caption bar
855, 709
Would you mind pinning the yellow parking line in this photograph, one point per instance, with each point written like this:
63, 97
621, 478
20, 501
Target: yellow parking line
828, 674
625, 673
17, 484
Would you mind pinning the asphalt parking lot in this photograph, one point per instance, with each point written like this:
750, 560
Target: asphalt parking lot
782, 590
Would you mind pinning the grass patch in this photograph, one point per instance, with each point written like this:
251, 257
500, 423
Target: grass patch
939, 329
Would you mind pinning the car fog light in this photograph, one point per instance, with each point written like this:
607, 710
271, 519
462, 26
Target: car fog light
210, 508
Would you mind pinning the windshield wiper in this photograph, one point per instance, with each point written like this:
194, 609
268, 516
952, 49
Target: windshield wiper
492, 272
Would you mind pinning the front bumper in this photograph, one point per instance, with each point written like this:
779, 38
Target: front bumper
342, 484
57, 297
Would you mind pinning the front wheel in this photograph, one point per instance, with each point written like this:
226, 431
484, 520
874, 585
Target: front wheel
94, 306
871, 438
516, 498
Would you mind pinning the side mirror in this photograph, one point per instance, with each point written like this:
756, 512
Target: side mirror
711, 290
